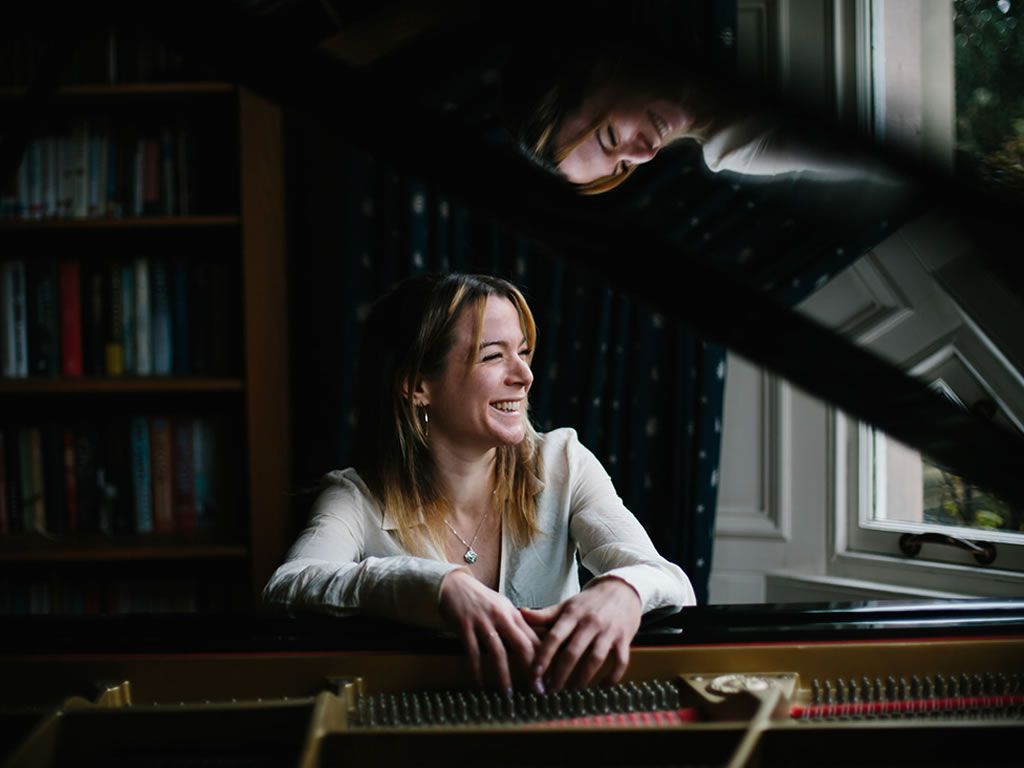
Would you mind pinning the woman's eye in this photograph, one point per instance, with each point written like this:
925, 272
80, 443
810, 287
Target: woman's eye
612, 139
493, 356
525, 352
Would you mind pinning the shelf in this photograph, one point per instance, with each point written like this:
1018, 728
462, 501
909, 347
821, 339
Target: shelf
146, 384
148, 223
130, 91
42, 551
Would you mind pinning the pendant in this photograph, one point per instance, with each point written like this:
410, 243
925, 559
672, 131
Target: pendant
470, 556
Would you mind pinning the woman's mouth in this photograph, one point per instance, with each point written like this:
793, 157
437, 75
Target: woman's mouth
507, 406
660, 124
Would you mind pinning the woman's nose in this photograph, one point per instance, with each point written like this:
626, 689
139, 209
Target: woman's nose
637, 150
520, 373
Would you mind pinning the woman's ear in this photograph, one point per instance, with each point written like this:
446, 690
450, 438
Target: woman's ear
420, 393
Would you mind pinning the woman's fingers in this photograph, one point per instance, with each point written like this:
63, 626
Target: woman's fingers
473, 653
499, 658
591, 661
620, 656
541, 617
569, 656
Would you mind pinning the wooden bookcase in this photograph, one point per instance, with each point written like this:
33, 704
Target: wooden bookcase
227, 565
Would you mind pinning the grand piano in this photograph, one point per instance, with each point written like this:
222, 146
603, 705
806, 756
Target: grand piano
890, 683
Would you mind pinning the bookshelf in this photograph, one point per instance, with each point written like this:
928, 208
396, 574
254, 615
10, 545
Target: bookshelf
234, 227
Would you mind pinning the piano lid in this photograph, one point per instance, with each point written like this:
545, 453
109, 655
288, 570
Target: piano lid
423, 85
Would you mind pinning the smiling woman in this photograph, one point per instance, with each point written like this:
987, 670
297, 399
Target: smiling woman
459, 514
592, 117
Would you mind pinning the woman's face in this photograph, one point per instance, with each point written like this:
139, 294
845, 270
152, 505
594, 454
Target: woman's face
482, 404
630, 129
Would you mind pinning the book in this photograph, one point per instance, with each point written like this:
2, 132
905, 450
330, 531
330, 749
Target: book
52, 437
163, 479
168, 191
114, 321
221, 312
116, 508
12, 473
142, 479
136, 192
160, 318
127, 276
70, 478
15, 338
51, 176
80, 170
65, 175
203, 452
151, 177
143, 317
32, 489
87, 466
4, 525
70, 304
184, 477
94, 304
42, 313
199, 318
179, 317
34, 157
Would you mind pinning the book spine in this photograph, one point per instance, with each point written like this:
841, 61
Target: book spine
127, 276
117, 514
87, 450
69, 279
80, 176
65, 194
35, 180
142, 478
70, 478
203, 481
41, 288
15, 321
51, 176
4, 524
53, 479
151, 177
163, 480
143, 319
137, 177
199, 318
12, 470
168, 191
179, 313
160, 308
183, 146
37, 482
114, 322
96, 305
184, 477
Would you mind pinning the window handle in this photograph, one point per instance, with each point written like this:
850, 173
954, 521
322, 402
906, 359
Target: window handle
984, 551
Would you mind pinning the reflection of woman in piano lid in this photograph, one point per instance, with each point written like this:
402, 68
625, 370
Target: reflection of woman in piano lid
592, 122
459, 514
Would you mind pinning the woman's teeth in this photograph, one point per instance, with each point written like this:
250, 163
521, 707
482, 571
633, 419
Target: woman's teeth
509, 406
659, 124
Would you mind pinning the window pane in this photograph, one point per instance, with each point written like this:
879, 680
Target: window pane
910, 489
989, 96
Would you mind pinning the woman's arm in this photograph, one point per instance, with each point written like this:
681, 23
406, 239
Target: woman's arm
343, 563
631, 578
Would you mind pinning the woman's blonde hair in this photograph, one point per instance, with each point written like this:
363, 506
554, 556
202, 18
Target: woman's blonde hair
408, 337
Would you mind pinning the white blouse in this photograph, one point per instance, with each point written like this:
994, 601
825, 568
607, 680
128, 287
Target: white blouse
348, 560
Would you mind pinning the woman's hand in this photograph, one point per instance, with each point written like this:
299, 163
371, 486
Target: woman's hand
583, 632
487, 623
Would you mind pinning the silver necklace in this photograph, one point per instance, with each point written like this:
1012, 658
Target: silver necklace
471, 555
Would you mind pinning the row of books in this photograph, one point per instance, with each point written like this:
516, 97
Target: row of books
94, 597
154, 474
104, 54
138, 317
94, 170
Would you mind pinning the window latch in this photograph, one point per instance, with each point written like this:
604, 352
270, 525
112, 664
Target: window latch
984, 552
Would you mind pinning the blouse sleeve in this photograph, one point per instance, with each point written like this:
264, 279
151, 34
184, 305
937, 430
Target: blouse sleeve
329, 570
611, 541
